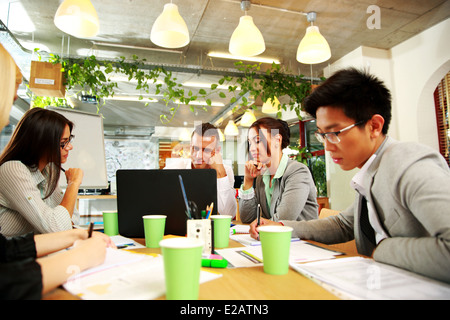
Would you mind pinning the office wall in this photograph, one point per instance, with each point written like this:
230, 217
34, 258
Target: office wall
411, 70
376, 61
418, 65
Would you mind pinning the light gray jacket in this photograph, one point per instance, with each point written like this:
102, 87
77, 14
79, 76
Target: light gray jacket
294, 197
409, 185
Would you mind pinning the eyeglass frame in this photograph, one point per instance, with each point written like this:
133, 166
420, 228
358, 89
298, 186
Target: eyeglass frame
64, 144
321, 136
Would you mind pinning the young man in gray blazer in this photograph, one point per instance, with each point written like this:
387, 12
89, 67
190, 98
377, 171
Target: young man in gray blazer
401, 214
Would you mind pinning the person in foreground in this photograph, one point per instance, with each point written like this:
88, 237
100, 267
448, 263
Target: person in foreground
284, 188
30, 167
401, 214
22, 276
28, 271
205, 154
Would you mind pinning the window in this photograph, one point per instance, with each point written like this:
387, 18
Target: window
441, 101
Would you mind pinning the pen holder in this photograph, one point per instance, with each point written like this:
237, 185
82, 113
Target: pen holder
201, 229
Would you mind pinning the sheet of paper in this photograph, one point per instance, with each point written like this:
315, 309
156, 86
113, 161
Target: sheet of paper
247, 240
125, 276
239, 228
251, 256
361, 278
123, 242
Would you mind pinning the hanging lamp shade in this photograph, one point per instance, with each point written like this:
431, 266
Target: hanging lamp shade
246, 39
77, 18
270, 106
169, 29
313, 48
231, 129
221, 135
185, 135
248, 118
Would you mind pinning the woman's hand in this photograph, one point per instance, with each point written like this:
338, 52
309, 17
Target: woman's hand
263, 222
252, 170
105, 238
74, 176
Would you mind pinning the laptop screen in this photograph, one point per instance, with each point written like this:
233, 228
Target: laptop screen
144, 192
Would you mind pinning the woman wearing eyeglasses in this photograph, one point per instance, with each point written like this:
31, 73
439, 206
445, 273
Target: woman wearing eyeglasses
283, 188
30, 167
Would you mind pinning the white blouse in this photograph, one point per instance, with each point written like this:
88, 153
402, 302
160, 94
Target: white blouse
22, 207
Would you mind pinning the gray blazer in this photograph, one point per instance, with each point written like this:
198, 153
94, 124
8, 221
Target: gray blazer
294, 197
410, 188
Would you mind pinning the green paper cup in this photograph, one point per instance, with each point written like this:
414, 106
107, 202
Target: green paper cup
110, 223
222, 225
275, 244
182, 260
154, 226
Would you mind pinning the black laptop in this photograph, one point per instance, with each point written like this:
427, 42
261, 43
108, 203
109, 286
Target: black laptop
145, 192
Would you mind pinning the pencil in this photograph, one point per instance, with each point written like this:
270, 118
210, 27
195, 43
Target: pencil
91, 228
210, 210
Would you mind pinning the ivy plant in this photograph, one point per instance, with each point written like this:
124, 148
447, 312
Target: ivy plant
94, 77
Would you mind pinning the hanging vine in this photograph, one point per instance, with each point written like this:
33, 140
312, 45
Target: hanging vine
94, 77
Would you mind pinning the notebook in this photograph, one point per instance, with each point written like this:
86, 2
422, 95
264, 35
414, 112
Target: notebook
144, 192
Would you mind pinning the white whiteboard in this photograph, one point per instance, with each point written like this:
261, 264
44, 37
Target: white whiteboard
88, 151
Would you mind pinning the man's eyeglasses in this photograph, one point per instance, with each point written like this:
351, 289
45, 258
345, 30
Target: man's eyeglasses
332, 137
65, 143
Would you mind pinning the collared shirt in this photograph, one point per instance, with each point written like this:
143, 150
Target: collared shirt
250, 193
357, 184
23, 208
278, 174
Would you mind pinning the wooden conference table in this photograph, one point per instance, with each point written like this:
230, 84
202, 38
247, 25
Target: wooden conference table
244, 283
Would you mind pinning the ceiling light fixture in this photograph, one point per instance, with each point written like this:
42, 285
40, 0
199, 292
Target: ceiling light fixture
202, 103
169, 29
271, 107
215, 54
119, 45
221, 135
314, 47
246, 39
231, 129
248, 118
132, 98
77, 18
194, 84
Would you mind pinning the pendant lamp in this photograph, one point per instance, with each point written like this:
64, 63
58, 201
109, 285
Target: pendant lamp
246, 39
169, 29
231, 129
314, 47
270, 106
248, 118
221, 135
77, 18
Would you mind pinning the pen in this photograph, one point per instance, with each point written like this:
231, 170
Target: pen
91, 227
188, 210
62, 169
258, 214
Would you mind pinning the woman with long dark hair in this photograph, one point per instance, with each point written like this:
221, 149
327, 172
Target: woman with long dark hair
26, 270
30, 167
284, 188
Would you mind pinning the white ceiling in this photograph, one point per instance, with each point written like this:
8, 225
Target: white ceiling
211, 22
